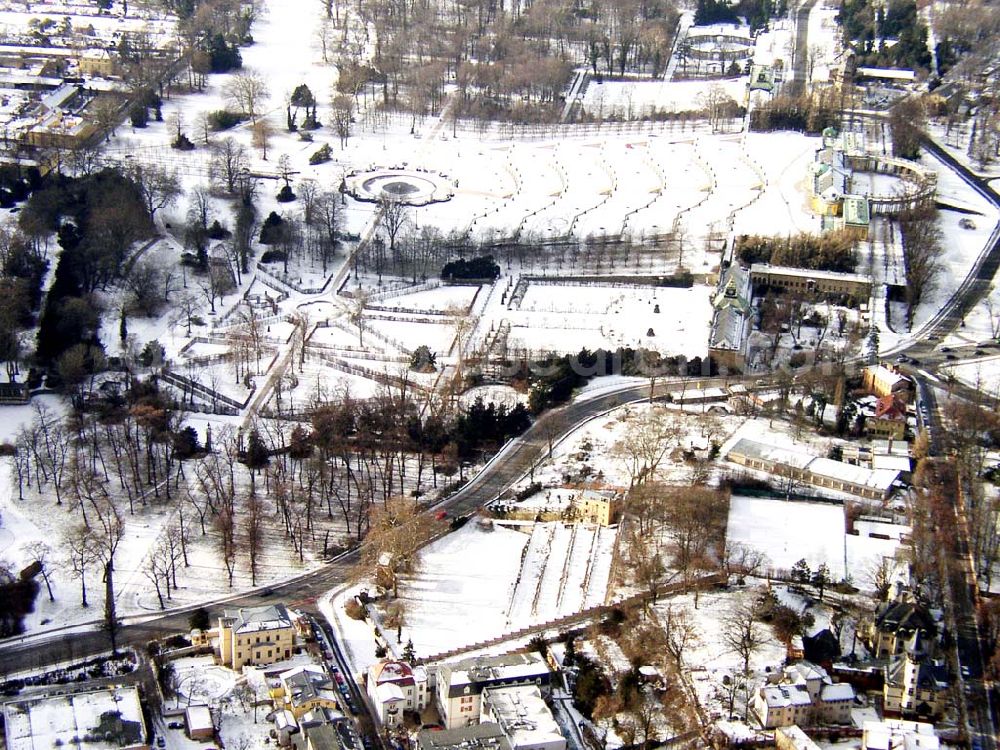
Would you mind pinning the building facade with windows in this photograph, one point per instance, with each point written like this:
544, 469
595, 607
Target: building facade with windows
460, 684
255, 635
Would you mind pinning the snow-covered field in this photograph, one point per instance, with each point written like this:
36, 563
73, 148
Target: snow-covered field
476, 584
788, 531
981, 373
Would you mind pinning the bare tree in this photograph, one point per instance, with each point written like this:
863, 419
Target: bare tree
229, 163
248, 92
81, 554
343, 112
393, 215
742, 632
41, 553
262, 137
158, 187
643, 447
253, 533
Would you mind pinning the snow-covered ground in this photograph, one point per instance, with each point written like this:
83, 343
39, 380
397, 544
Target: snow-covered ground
476, 584
961, 247
787, 531
981, 373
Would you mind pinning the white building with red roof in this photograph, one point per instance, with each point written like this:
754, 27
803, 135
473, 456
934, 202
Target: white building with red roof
394, 687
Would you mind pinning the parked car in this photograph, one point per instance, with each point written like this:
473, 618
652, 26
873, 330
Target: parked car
175, 725
160, 742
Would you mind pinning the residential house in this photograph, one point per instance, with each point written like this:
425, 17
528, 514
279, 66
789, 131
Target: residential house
394, 687
319, 737
524, 718
889, 419
896, 734
255, 635
884, 380
325, 729
460, 684
914, 686
898, 625
803, 694
304, 689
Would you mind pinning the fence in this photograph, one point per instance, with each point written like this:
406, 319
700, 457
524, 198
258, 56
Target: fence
365, 372
187, 385
288, 283
711, 579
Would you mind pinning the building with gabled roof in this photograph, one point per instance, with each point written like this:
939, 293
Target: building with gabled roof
915, 686
901, 625
255, 635
793, 738
731, 318
305, 689
394, 687
803, 694
884, 379
889, 419
875, 484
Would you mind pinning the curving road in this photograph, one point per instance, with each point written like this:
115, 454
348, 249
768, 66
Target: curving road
507, 467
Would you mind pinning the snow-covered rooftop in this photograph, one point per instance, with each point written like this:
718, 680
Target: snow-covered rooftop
783, 696
897, 734
253, 619
104, 719
198, 718
879, 479
524, 716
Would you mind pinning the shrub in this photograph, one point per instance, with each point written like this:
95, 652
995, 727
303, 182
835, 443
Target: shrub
273, 256
423, 359
321, 155
483, 267
139, 116
223, 119
285, 195
199, 619
218, 232
354, 610
182, 143
270, 231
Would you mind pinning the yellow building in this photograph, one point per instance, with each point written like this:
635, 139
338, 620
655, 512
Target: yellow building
255, 635
97, 62
885, 380
603, 507
304, 689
